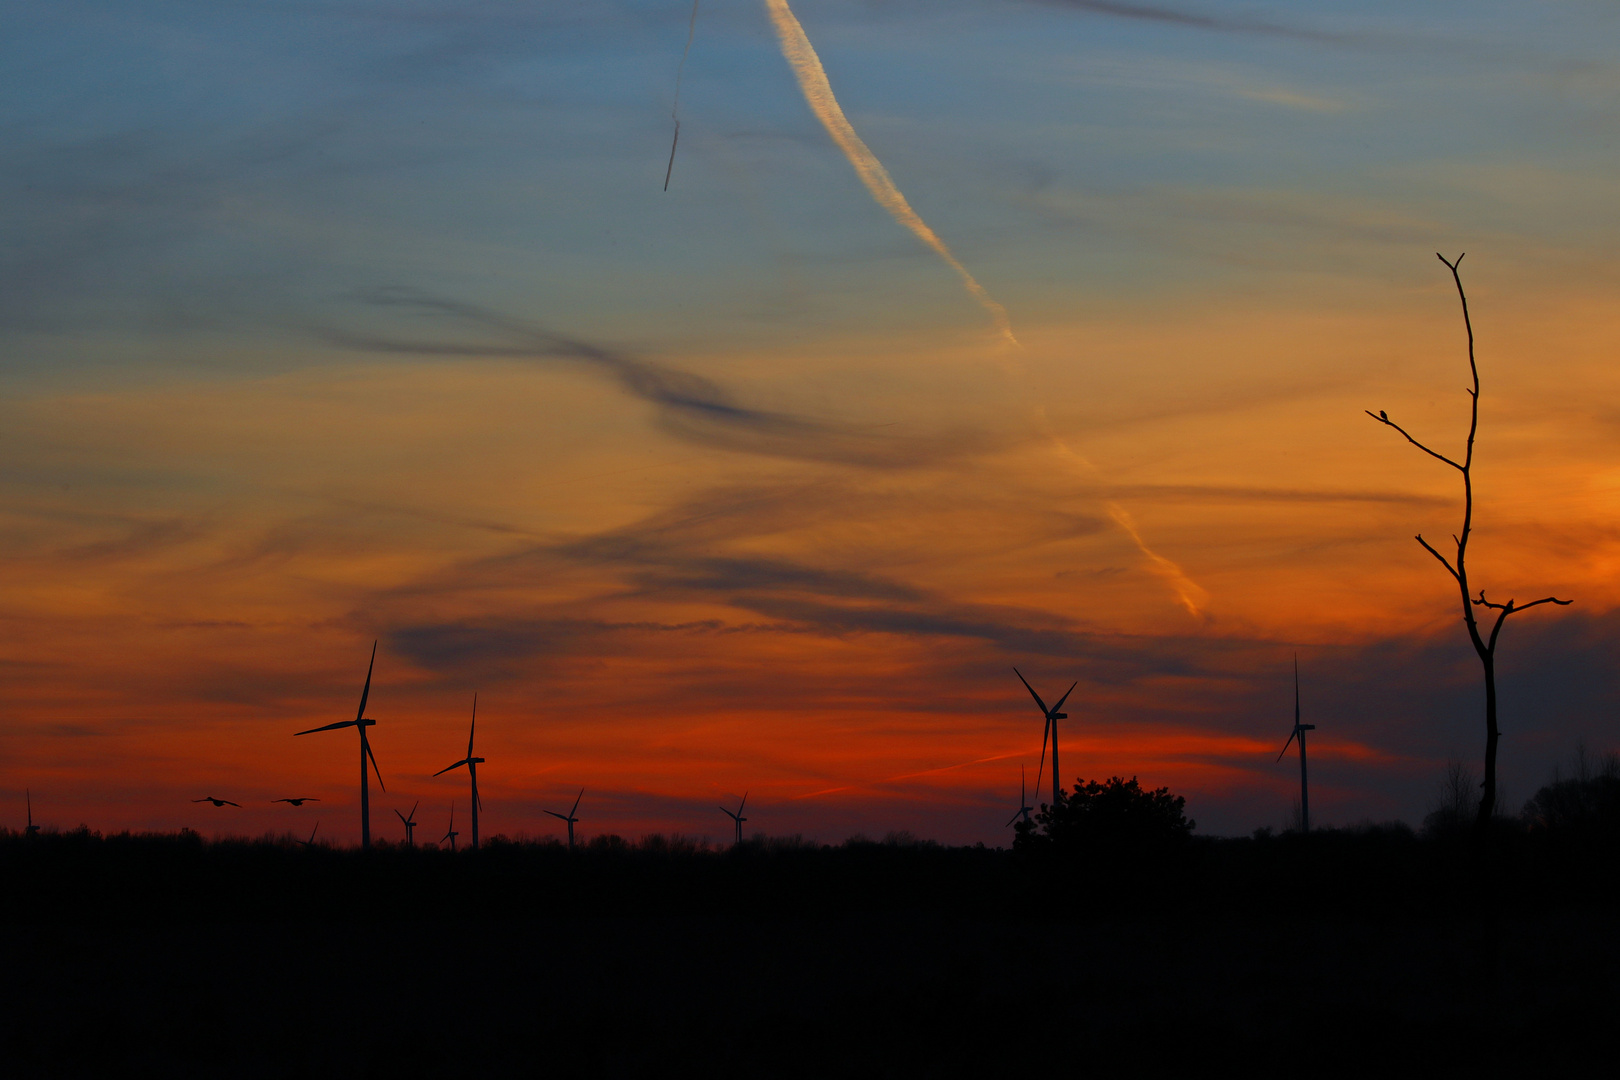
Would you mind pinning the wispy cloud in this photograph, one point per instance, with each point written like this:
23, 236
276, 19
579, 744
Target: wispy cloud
1192, 20
690, 406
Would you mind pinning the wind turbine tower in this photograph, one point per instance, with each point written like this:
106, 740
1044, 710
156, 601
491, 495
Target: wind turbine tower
472, 764
571, 819
737, 817
1023, 801
360, 721
1299, 733
1053, 715
410, 825
451, 834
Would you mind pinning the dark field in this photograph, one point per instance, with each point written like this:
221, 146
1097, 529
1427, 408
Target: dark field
1340, 953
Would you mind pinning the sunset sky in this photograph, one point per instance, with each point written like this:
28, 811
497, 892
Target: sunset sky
333, 322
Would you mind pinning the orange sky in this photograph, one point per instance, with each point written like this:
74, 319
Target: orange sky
735, 489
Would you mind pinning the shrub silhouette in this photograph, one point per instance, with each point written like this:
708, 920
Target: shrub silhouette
1114, 819
1588, 802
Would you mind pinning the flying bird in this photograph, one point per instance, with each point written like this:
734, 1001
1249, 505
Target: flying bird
218, 802
297, 802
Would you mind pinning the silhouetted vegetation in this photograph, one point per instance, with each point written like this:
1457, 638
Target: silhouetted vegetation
1111, 819
176, 955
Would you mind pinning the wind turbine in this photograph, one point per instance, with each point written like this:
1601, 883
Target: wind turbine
472, 764
33, 830
1053, 715
1023, 808
570, 818
1299, 733
452, 834
410, 824
737, 817
360, 721
311, 841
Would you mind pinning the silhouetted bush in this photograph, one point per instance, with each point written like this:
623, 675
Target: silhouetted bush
1114, 819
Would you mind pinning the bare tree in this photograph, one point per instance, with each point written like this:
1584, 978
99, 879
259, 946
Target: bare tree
1484, 644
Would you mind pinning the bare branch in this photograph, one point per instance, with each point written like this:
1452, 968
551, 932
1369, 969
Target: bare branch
1437, 555
1385, 420
1511, 607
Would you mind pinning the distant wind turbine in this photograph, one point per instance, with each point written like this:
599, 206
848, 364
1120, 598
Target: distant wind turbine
737, 817
472, 764
410, 824
296, 802
218, 802
361, 722
571, 819
311, 841
1299, 733
33, 830
452, 834
1023, 800
1053, 715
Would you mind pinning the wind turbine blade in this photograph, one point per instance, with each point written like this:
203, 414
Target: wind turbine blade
1044, 710
328, 727
478, 799
447, 768
474, 726
556, 815
364, 694
1284, 750
414, 805
578, 797
1296, 690
1065, 696
1041, 770
742, 804
401, 817
373, 758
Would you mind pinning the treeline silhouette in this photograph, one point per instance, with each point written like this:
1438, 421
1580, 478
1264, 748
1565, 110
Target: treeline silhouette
1110, 935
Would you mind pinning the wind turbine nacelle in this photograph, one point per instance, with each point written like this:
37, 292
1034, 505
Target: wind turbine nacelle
1059, 716
475, 761
368, 722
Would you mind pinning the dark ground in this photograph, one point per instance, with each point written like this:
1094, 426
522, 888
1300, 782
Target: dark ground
1348, 952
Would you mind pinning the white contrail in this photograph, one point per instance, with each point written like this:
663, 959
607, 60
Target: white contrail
812, 78
1189, 593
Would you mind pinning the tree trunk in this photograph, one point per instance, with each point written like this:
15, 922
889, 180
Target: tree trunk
1487, 797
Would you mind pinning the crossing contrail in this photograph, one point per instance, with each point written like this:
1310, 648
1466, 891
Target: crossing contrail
675, 107
817, 91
